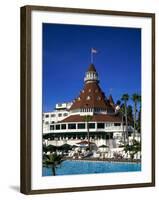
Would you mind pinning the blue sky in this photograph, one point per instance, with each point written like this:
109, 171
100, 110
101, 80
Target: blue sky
66, 57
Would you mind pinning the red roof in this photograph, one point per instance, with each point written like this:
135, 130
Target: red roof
91, 68
95, 118
92, 96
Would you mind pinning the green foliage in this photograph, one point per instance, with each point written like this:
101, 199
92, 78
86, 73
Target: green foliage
53, 160
87, 118
50, 148
130, 114
125, 97
133, 148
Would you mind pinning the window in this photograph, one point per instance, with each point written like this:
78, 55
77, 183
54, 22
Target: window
65, 114
58, 127
79, 99
100, 125
53, 115
89, 90
81, 126
51, 127
91, 125
52, 122
88, 97
71, 126
98, 98
46, 116
116, 124
46, 123
103, 137
63, 126
59, 115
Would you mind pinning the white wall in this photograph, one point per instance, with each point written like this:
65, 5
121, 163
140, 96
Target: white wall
9, 100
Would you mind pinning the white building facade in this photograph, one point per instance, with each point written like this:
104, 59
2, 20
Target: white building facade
91, 116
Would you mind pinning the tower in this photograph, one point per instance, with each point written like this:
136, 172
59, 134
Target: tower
91, 99
91, 75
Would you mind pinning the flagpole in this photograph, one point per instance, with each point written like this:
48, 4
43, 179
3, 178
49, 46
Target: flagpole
91, 56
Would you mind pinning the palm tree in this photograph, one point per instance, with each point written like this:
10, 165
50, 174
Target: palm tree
135, 98
53, 160
139, 115
133, 148
122, 111
88, 118
125, 98
130, 114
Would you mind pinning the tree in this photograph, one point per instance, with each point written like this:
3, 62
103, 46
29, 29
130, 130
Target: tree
118, 102
53, 160
135, 98
139, 116
125, 98
122, 112
130, 114
134, 148
87, 119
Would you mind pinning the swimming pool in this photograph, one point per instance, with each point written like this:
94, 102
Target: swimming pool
71, 167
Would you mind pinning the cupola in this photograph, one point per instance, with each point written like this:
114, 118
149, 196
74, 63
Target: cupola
91, 75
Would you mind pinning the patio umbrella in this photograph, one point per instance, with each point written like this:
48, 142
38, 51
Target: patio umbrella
51, 148
84, 143
65, 147
103, 147
74, 146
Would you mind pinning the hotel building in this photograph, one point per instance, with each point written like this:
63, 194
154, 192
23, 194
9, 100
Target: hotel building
91, 116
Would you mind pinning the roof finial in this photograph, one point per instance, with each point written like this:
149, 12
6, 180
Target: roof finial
93, 51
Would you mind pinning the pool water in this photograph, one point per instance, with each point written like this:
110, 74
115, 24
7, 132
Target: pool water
70, 167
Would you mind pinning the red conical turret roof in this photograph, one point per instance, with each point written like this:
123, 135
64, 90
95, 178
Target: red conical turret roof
91, 68
91, 96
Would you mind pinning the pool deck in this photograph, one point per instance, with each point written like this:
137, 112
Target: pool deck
103, 160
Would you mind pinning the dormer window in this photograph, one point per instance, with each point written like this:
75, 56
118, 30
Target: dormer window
79, 98
88, 97
89, 90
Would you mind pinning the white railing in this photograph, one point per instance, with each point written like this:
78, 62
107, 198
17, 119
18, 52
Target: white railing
106, 129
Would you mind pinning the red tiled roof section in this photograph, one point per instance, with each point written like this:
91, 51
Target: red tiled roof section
90, 97
111, 99
95, 118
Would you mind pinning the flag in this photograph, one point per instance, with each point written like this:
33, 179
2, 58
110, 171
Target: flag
93, 50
